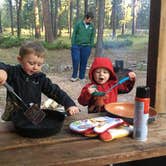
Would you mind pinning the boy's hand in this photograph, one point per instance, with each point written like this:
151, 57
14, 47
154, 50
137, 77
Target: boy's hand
3, 77
132, 75
92, 89
73, 110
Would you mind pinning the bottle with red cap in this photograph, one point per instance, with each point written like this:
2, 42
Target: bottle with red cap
141, 113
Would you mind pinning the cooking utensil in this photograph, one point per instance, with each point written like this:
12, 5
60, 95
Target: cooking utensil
125, 110
50, 125
99, 93
33, 113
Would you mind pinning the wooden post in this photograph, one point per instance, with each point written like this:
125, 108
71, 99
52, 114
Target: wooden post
160, 103
154, 31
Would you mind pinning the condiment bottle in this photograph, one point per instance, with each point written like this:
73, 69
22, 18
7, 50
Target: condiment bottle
141, 113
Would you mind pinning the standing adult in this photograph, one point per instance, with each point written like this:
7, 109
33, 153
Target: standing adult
82, 42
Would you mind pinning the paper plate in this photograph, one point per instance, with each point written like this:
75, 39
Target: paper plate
125, 110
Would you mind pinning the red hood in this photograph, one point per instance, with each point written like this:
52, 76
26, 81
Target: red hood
102, 62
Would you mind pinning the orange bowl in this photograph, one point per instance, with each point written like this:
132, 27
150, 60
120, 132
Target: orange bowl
125, 110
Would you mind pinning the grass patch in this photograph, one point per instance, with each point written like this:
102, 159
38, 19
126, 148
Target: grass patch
117, 43
10, 41
60, 43
139, 42
127, 41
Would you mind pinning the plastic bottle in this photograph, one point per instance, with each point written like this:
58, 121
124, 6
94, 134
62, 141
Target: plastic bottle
141, 113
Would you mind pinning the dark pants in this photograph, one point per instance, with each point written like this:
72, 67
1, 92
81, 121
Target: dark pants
80, 55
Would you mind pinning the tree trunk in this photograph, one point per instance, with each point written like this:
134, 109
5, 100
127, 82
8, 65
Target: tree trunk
47, 22
59, 18
99, 45
11, 16
134, 16
77, 10
55, 30
37, 22
0, 23
95, 14
92, 8
113, 18
71, 17
18, 8
41, 16
52, 14
123, 29
85, 6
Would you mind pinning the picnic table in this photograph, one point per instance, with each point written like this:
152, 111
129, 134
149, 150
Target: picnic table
68, 148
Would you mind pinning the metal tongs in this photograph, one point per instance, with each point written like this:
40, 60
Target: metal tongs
99, 93
33, 113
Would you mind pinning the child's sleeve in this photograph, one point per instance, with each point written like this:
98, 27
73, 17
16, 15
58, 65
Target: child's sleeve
84, 97
4, 66
54, 92
126, 87
9, 69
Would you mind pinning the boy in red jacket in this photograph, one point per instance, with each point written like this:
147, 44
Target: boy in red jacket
102, 78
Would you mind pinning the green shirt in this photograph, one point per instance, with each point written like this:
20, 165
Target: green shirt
82, 35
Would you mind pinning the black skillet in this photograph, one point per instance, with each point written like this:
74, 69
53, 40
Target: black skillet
50, 125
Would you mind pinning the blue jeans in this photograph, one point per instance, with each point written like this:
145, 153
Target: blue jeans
80, 55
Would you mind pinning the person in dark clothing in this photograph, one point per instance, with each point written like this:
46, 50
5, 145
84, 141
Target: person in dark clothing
29, 82
103, 77
82, 42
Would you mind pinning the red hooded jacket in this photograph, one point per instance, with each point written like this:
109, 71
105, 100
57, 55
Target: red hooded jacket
86, 99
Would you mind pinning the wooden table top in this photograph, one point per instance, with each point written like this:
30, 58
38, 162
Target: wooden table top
67, 148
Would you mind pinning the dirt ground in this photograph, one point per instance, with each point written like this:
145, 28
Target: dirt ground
58, 67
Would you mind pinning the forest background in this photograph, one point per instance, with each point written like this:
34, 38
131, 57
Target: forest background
52, 21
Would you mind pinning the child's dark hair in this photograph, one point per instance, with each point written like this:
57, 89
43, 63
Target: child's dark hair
32, 47
89, 15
